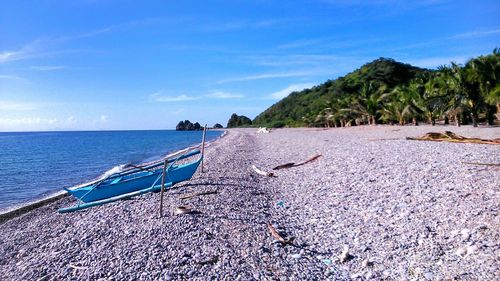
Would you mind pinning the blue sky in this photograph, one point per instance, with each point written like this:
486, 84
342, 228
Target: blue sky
104, 64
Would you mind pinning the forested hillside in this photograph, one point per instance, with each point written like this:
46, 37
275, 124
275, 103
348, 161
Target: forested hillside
387, 91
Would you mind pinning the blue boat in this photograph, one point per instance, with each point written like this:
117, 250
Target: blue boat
135, 181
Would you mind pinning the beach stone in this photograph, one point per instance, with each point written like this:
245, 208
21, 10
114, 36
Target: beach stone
389, 200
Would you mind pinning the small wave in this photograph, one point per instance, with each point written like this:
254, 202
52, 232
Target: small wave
114, 170
120, 168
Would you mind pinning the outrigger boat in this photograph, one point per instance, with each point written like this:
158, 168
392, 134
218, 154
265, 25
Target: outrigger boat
138, 180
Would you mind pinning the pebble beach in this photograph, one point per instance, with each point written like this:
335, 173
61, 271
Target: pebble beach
373, 206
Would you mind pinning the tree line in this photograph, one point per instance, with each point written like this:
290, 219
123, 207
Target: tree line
389, 92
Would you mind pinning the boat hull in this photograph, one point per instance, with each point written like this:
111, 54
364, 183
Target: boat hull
118, 186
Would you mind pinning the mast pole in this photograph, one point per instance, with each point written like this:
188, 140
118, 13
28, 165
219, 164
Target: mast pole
163, 186
203, 146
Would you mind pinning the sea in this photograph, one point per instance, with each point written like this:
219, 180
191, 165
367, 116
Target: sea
35, 165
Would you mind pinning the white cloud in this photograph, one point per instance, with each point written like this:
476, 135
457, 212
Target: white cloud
475, 34
387, 3
103, 119
159, 97
50, 46
47, 67
290, 60
292, 88
13, 122
242, 24
37, 123
265, 76
301, 43
225, 95
11, 56
177, 112
10, 77
24, 52
71, 119
16, 106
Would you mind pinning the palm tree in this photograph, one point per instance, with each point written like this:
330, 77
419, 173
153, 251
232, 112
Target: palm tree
401, 102
453, 86
392, 111
342, 111
484, 72
432, 103
367, 105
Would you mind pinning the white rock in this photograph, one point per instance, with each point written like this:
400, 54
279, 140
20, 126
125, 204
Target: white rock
366, 263
345, 256
466, 251
428, 275
465, 234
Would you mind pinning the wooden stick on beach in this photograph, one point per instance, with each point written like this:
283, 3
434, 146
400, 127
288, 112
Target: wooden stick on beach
275, 233
163, 186
482, 164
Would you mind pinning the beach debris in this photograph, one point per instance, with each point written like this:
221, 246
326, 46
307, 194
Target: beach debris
345, 255
262, 173
383, 139
276, 235
77, 266
284, 166
44, 277
366, 263
191, 195
180, 210
213, 260
296, 256
327, 261
465, 234
291, 164
263, 130
466, 251
281, 203
313, 158
452, 137
482, 164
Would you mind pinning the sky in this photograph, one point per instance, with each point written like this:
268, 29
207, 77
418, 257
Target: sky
121, 65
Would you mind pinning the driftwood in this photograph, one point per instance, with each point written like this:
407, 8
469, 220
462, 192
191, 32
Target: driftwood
180, 210
284, 166
482, 164
452, 137
275, 233
262, 173
212, 260
187, 196
290, 165
386, 139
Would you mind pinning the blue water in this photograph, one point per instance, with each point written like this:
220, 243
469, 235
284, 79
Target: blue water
36, 164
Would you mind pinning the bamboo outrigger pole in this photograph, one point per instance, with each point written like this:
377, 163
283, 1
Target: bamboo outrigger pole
163, 186
203, 146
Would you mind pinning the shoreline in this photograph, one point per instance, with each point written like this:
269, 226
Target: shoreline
23, 208
373, 206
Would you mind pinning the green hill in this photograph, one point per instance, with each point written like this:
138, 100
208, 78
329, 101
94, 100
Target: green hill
300, 108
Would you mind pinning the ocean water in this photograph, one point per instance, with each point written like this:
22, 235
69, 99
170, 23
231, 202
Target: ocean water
36, 164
